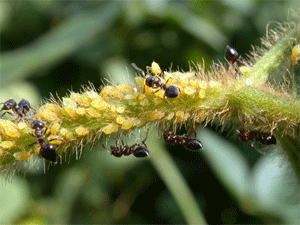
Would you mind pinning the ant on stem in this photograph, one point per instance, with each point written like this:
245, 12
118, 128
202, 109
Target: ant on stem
184, 140
20, 109
170, 92
265, 138
47, 151
138, 150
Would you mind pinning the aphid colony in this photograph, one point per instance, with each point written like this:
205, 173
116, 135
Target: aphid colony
80, 105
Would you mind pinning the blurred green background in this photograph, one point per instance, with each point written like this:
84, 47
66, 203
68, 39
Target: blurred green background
54, 46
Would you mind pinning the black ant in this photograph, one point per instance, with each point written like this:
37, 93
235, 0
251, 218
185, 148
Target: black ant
189, 143
138, 150
20, 109
47, 151
232, 55
265, 138
170, 92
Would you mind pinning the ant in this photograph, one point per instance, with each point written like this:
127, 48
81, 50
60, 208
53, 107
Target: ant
138, 150
20, 109
265, 138
170, 92
47, 151
189, 143
232, 55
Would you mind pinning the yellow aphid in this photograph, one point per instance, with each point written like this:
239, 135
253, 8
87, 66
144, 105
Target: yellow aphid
295, 54
155, 68
22, 156
170, 116
155, 115
7, 144
140, 81
203, 85
149, 90
69, 108
81, 111
144, 102
184, 81
126, 88
81, 131
128, 124
66, 133
84, 100
55, 140
202, 94
189, 90
110, 128
215, 84
140, 122
22, 125
52, 107
160, 93
141, 97
12, 132
93, 113
111, 91
244, 69
179, 113
129, 97
6, 123
92, 95
54, 128
120, 119
49, 115
100, 104
121, 109
75, 96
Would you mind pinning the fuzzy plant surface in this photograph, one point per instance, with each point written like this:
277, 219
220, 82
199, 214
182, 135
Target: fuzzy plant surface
260, 93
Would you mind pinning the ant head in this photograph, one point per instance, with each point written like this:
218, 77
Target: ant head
48, 152
150, 81
37, 124
231, 54
141, 151
266, 138
24, 104
171, 92
193, 144
247, 135
9, 104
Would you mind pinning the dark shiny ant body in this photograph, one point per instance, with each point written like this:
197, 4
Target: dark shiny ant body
20, 109
265, 138
170, 92
47, 151
138, 150
184, 140
232, 55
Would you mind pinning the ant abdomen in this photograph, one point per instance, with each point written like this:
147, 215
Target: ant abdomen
48, 152
193, 144
141, 152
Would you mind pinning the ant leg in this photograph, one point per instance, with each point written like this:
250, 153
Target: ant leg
12, 114
32, 144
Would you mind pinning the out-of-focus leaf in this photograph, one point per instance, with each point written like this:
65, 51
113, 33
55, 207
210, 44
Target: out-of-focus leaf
274, 187
57, 44
14, 200
227, 162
